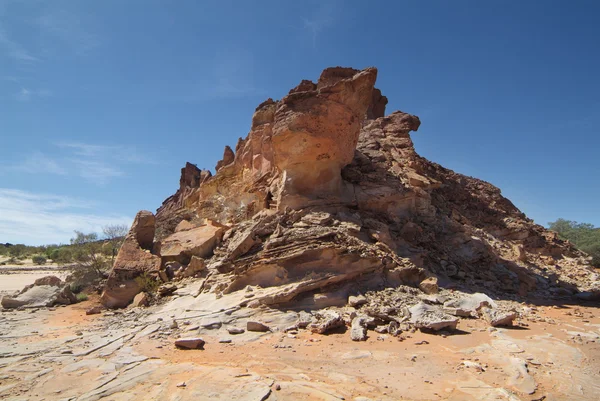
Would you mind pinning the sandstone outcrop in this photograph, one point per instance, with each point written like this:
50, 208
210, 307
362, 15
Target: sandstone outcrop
133, 260
182, 245
326, 197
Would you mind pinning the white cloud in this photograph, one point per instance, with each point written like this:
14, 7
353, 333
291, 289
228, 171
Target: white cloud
39, 162
96, 171
35, 219
98, 164
114, 152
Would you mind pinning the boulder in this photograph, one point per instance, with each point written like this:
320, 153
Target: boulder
200, 241
46, 291
133, 260
325, 321
468, 306
141, 299
498, 318
195, 266
424, 316
429, 285
358, 329
357, 300
190, 343
257, 326
94, 310
235, 330
167, 289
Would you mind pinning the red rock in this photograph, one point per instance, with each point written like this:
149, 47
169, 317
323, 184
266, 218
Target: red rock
134, 259
199, 241
315, 134
228, 158
140, 299
190, 343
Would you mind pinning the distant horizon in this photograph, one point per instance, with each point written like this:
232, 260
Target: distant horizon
102, 103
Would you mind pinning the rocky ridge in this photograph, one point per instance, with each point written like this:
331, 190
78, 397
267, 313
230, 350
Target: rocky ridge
327, 198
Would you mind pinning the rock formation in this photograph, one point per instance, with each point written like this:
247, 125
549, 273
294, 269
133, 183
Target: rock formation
134, 260
326, 197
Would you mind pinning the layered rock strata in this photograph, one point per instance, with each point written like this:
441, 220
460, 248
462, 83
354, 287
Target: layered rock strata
326, 197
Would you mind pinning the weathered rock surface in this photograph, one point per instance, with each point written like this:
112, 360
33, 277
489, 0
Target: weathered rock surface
499, 318
358, 329
140, 299
257, 326
327, 197
424, 316
133, 260
357, 300
326, 321
183, 245
468, 306
46, 291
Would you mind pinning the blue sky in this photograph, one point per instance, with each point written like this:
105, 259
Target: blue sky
102, 102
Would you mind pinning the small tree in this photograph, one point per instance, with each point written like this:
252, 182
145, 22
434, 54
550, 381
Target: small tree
87, 252
115, 234
584, 236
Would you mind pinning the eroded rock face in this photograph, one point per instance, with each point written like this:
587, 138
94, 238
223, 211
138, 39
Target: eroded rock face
133, 260
326, 197
315, 134
228, 158
186, 243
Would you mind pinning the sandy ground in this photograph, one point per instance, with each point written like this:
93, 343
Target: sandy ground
64, 354
15, 277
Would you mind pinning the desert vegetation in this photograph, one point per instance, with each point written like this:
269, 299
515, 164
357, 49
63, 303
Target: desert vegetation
92, 250
584, 236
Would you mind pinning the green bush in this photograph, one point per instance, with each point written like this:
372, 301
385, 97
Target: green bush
147, 283
82, 296
38, 259
61, 255
76, 288
584, 236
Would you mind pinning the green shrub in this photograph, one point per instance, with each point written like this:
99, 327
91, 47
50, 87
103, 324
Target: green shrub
76, 288
38, 259
82, 296
584, 236
147, 282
